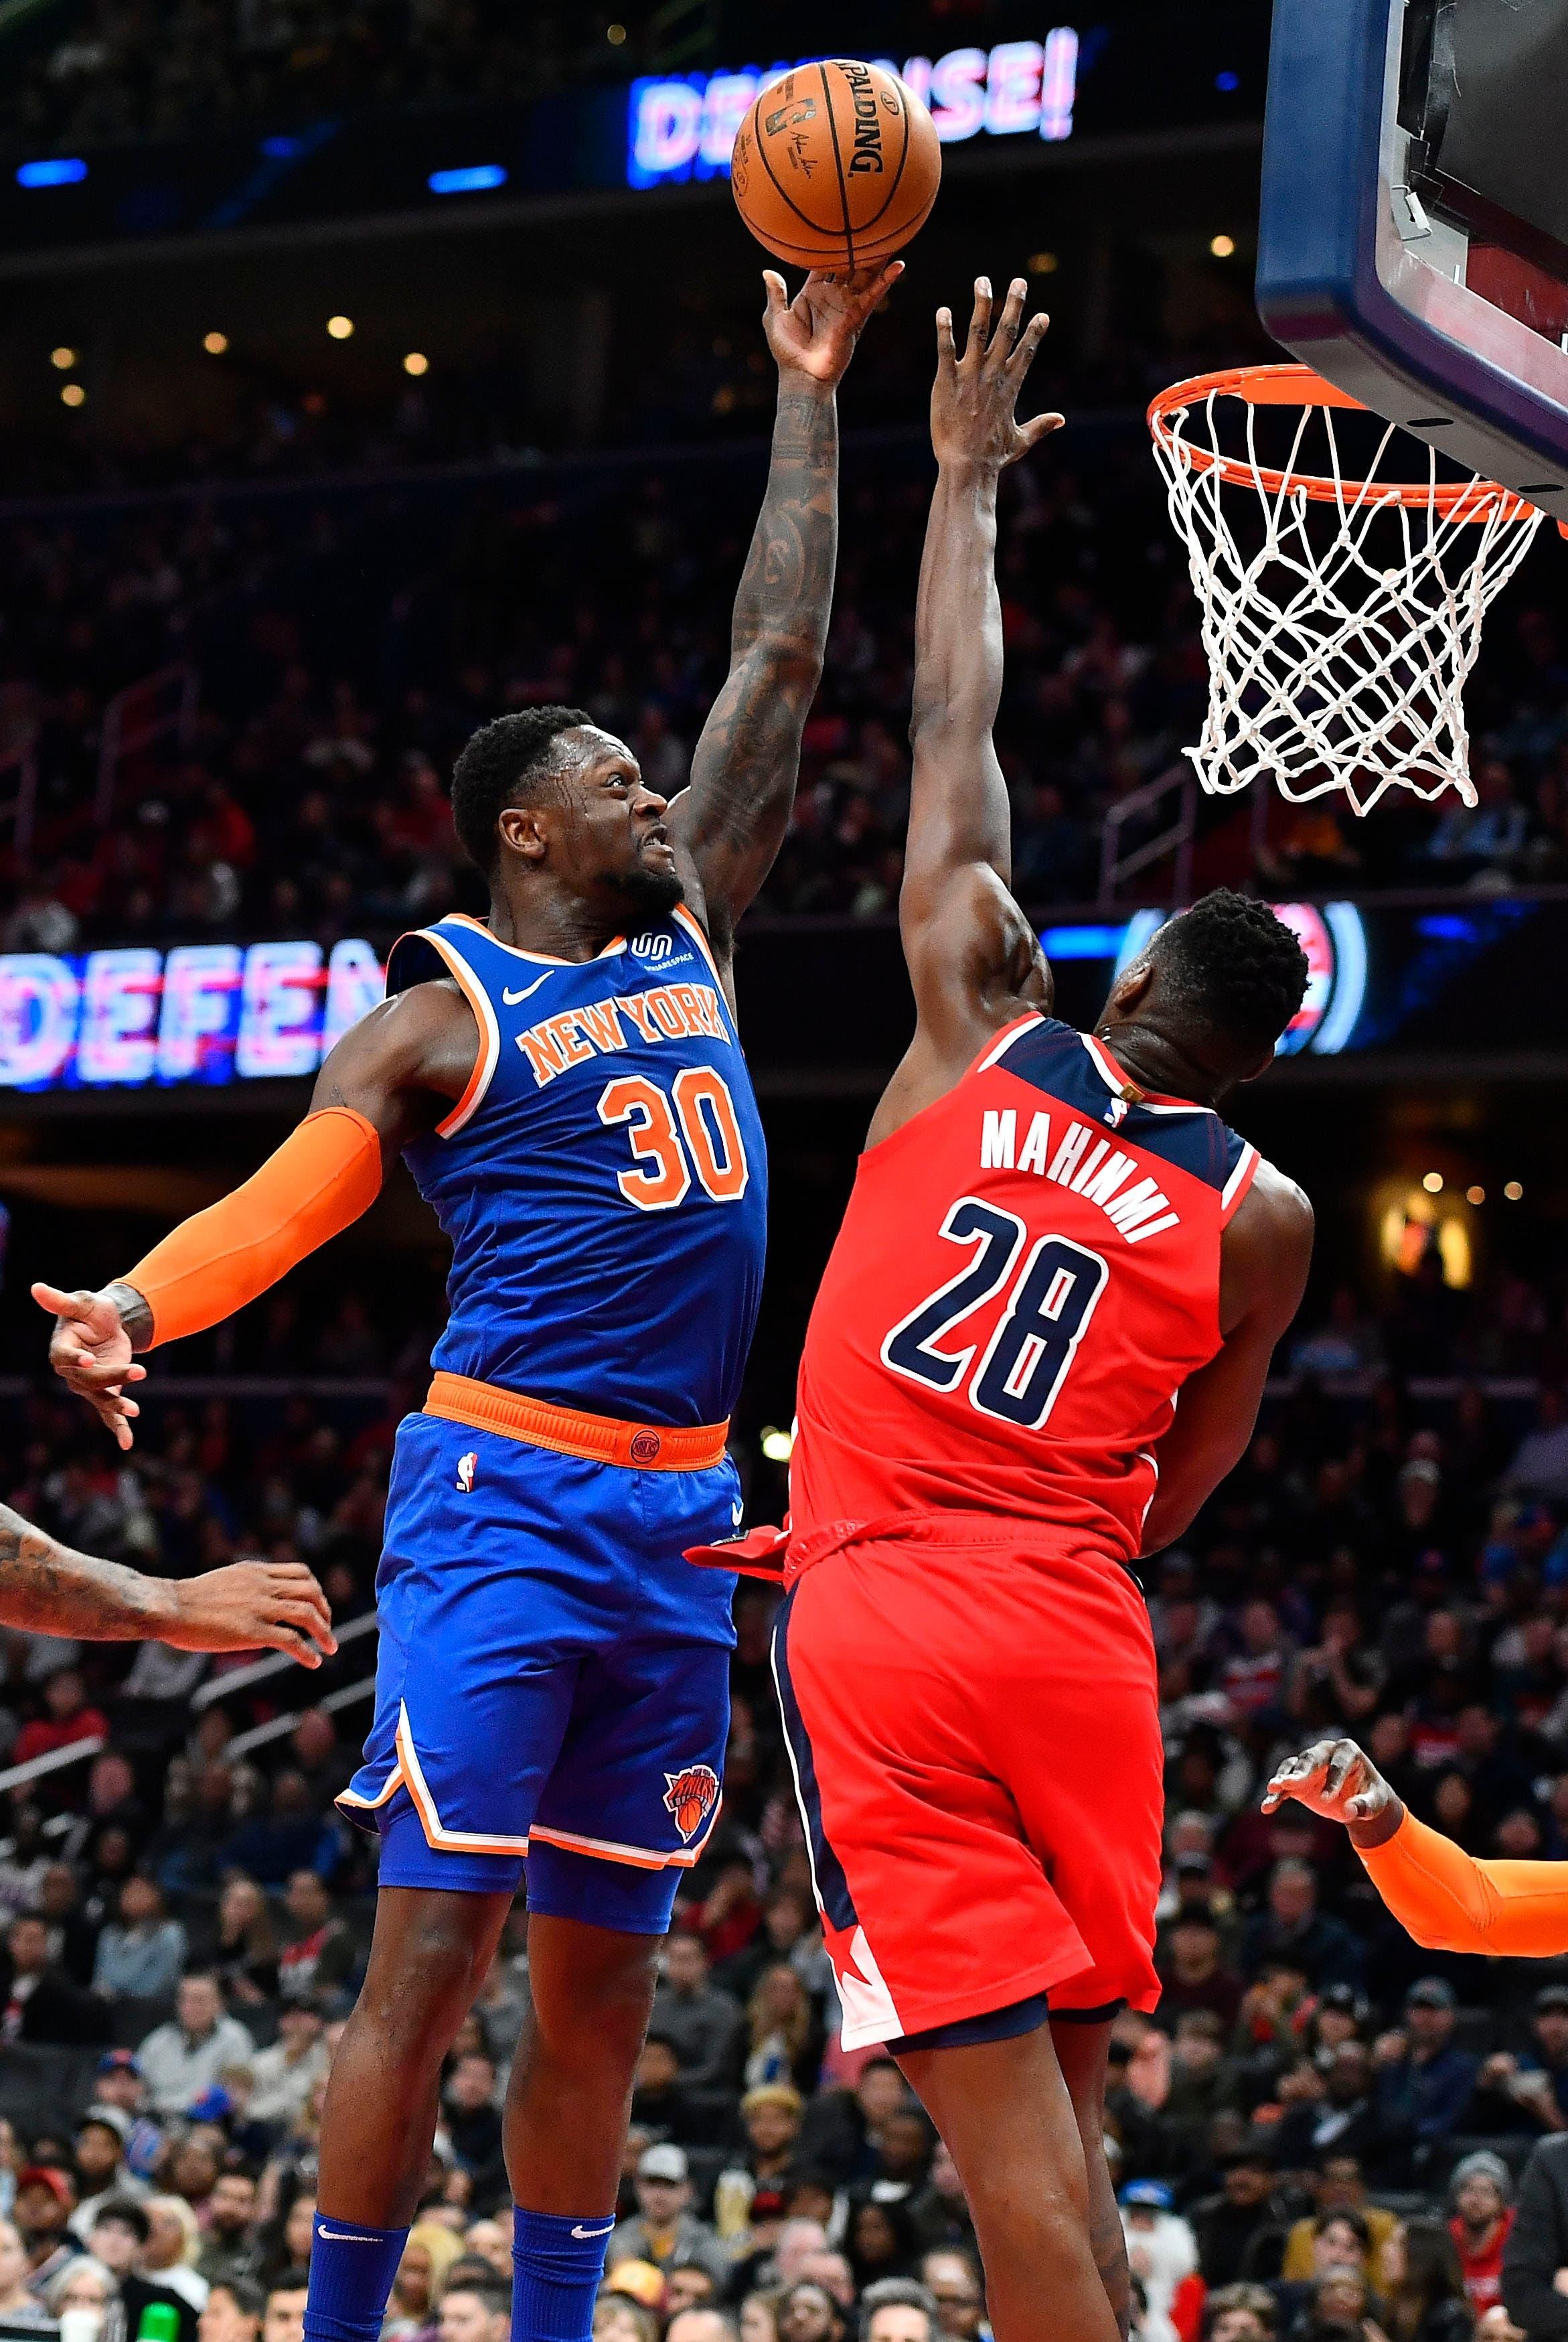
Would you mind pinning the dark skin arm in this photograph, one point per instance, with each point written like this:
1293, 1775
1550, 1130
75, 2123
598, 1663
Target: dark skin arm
45, 1588
1264, 1254
973, 960
399, 1067
727, 825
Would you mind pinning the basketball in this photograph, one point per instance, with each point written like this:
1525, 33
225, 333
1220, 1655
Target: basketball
835, 165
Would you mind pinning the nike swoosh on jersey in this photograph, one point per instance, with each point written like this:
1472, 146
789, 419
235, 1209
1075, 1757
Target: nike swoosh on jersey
581, 2231
512, 998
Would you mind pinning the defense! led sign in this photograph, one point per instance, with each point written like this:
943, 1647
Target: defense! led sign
202, 1013
684, 126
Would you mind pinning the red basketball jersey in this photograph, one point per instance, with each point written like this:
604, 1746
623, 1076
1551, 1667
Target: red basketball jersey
1027, 1273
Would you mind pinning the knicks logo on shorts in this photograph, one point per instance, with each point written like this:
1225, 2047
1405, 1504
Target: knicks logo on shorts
690, 1797
466, 1467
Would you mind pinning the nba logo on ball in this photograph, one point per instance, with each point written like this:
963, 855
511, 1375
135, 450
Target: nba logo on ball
690, 1797
466, 1467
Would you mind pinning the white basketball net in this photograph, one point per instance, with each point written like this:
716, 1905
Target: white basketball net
1340, 635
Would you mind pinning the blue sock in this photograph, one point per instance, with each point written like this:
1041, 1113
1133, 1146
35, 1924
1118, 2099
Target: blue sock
351, 2266
557, 2263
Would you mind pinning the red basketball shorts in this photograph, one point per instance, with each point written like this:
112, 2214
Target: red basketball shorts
974, 1724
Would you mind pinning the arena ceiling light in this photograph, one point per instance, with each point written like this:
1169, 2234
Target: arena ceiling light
63, 359
57, 171
73, 394
215, 344
416, 363
1221, 246
340, 327
473, 179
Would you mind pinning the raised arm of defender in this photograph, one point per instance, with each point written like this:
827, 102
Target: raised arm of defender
973, 960
382, 1085
729, 824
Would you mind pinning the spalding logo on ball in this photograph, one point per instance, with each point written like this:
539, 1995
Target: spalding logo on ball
835, 165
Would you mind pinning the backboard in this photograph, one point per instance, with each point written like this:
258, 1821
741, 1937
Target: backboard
1414, 228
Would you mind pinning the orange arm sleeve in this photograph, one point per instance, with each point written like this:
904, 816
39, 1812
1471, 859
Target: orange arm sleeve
323, 1177
1449, 1902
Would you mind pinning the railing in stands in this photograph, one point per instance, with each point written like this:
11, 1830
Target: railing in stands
217, 1688
136, 719
255, 1671
1174, 843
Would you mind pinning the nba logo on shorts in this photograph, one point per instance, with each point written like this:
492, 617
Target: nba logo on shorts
652, 946
690, 1797
466, 1467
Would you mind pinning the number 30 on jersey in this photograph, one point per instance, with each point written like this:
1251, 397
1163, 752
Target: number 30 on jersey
1026, 1361
690, 1127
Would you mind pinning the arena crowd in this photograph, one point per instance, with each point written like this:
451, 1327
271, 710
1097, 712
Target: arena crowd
1321, 2131
341, 646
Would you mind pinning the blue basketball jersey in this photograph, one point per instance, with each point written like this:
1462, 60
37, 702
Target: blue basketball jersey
602, 1178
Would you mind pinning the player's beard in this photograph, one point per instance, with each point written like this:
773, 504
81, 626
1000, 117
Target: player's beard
650, 894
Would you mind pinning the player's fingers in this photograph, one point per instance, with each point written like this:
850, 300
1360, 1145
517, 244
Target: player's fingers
59, 1304
946, 355
88, 1373
277, 1636
1005, 339
885, 281
979, 320
1028, 343
775, 292
1343, 1762
1041, 427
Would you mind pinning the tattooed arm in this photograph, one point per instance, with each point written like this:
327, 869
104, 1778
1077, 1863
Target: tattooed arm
729, 824
48, 1589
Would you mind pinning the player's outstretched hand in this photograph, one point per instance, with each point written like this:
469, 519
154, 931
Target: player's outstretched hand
90, 1350
974, 398
1333, 1778
814, 335
274, 1605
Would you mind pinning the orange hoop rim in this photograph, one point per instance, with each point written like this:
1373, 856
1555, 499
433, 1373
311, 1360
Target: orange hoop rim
1303, 386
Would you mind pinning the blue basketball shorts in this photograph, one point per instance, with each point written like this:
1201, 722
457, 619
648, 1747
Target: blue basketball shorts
551, 1694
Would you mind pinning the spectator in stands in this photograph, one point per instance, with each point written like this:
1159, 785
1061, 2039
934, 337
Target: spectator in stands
1240, 2231
1540, 1463
1425, 2080
664, 2230
45, 2202
229, 2250
282, 2318
141, 1953
119, 2083
702, 2021
1162, 2250
1292, 1928
898, 2310
244, 1954
232, 2312
953, 2281
101, 2136
19, 2306
173, 2241
1339, 2194
38, 2002
476, 2309
1418, 2276
472, 2121
318, 1957
118, 2240
285, 2073
1479, 2189
69, 1719
185, 2058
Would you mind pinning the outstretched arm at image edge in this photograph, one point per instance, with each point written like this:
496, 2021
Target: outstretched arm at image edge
46, 1588
1450, 1901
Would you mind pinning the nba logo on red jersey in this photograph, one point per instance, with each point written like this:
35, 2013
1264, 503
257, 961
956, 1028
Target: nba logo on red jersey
691, 1796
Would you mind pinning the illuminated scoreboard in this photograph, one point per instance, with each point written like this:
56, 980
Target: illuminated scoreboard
199, 1013
684, 126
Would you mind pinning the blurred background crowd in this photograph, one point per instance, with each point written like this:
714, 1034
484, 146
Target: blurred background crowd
1320, 2125
325, 656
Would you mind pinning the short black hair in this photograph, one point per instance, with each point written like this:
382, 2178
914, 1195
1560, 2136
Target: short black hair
288, 2280
247, 2296
495, 2296
1235, 966
501, 765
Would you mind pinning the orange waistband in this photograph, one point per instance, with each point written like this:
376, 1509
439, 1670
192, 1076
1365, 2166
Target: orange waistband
568, 1431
